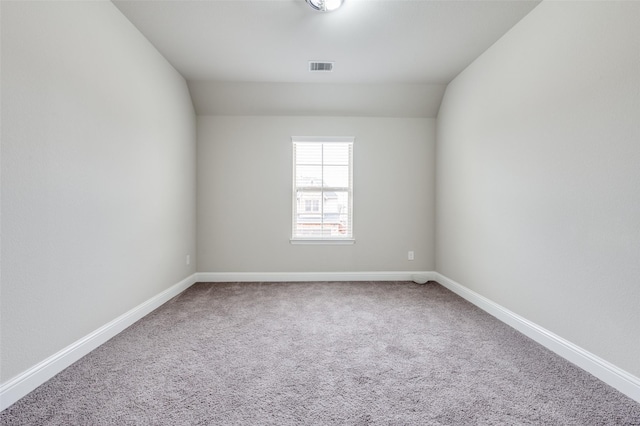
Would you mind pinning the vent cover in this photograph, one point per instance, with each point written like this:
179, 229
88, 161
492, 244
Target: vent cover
320, 66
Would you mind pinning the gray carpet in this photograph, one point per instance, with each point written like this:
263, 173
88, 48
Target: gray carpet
392, 353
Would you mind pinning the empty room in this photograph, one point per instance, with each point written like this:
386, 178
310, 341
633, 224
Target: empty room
326, 212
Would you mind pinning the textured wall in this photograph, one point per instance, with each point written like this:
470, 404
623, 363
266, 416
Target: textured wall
98, 181
245, 184
538, 184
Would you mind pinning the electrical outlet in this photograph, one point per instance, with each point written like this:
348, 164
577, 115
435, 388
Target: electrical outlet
410, 255
188, 259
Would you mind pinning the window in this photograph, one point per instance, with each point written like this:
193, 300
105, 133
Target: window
322, 189
311, 205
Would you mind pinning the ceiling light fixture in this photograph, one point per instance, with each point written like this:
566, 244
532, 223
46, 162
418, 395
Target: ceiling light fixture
325, 5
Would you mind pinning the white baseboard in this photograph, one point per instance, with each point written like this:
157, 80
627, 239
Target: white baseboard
623, 381
21, 385
212, 277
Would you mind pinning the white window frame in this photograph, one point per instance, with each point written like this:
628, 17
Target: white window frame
350, 239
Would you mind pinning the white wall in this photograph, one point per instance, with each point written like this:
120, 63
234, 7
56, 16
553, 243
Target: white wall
245, 184
538, 182
98, 180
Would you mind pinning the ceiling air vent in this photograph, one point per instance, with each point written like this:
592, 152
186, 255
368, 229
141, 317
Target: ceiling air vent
317, 66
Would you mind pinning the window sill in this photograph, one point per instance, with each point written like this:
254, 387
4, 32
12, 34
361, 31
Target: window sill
325, 241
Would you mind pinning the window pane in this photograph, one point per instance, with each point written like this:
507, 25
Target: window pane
336, 213
308, 153
309, 176
336, 176
309, 216
336, 153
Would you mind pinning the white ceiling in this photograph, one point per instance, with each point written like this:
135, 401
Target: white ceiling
392, 57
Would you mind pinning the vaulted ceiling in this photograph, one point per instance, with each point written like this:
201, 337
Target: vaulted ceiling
392, 57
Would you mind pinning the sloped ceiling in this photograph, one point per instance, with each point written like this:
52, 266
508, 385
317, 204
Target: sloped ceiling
392, 57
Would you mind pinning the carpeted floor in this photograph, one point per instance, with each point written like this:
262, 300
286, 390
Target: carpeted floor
388, 353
